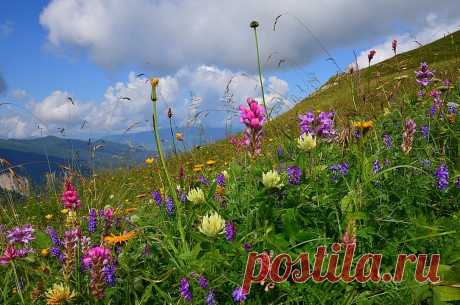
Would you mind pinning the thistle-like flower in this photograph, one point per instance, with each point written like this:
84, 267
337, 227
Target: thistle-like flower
97, 259
59, 294
196, 196
408, 135
271, 179
212, 225
306, 142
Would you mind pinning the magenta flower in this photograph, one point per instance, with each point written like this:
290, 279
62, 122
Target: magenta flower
12, 253
20, 235
70, 198
99, 260
394, 45
254, 119
371, 55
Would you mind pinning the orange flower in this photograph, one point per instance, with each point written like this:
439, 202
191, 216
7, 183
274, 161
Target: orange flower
210, 162
179, 136
119, 239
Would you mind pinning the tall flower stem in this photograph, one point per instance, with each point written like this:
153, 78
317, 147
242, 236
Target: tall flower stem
172, 136
154, 83
254, 25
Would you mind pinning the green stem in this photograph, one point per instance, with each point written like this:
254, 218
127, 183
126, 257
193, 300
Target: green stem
165, 169
260, 74
17, 283
172, 137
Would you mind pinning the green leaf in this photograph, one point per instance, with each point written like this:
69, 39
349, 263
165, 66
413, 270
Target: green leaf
446, 293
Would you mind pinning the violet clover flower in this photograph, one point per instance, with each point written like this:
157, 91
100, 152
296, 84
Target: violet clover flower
230, 231
442, 176
294, 175
239, 295
20, 235
185, 289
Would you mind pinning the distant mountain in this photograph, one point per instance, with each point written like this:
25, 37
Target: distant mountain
192, 136
39, 156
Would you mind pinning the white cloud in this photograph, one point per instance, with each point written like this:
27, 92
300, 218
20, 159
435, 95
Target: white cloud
434, 29
166, 35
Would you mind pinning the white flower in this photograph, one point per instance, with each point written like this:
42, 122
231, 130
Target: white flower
306, 142
211, 225
196, 196
271, 179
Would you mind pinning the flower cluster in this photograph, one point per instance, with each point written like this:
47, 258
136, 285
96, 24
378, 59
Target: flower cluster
408, 135
340, 169
70, 198
321, 125
18, 239
294, 175
423, 77
442, 176
254, 119
99, 261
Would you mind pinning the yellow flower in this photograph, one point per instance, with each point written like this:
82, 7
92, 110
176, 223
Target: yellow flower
363, 124
179, 136
210, 162
49, 216
154, 81
306, 142
211, 225
271, 179
44, 252
71, 218
64, 211
59, 294
149, 161
196, 196
119, 239
386, 111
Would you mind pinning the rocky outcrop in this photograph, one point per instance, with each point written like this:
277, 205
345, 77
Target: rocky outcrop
11, 182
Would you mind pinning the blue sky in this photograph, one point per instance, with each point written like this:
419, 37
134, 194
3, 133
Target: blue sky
91, 50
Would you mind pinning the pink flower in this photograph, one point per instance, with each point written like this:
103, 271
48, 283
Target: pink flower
394, 45
253, 117
347, 239
371, 55
70, 198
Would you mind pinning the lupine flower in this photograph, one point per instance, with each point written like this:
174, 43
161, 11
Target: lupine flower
56, 252
109, 272
220, 179
376, 166
185, 290
239, 295
254, 119
169, 206
203, 282
97, 258
212, 225
371, 55
210, 298
20, 235
59, 294
70, 198
424, 75
203, 180
394, 45
321, 125
442, 175
92, 221
425, 130
157, 198
230, 231
408, 135
196, 195
387, 141
306, 142
54, 237
271, 179
294, 175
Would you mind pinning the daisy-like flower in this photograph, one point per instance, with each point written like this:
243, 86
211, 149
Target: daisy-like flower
59, 294
196, 196
271, 179
212, 225
119, 239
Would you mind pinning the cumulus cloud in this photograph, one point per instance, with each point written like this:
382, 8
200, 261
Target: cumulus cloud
433, 30
167, 35
203, 94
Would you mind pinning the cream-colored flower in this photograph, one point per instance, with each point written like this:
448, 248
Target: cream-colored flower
225, 173
271, 179
59, 294
306, 142
211, 225
196, 195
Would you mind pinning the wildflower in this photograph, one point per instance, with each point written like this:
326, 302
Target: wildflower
230, 231
452, 108
247, 247
92, 221
279, 152
203, 282
169, 206
210, 162
271, 179
254, 119
226, 175
56, 252
119, 239
424, 75
394, 44
321, 125
196, 195
203, 180
408, 135
442, 176
71, 219
20, 235
49, 216
97, 259
109, 271
210, 298
348, 238
211, 225
54, 237
157, 198
294, 175
376, 166
220, 179
425, 130
179, 136
10, 253
70, 197
239, 295
340, 169
44, 252
437, 102
71, 240
59, 294
185, 289
65, 211
306, 142
387, 141
371, 55
363, 126
149, 161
